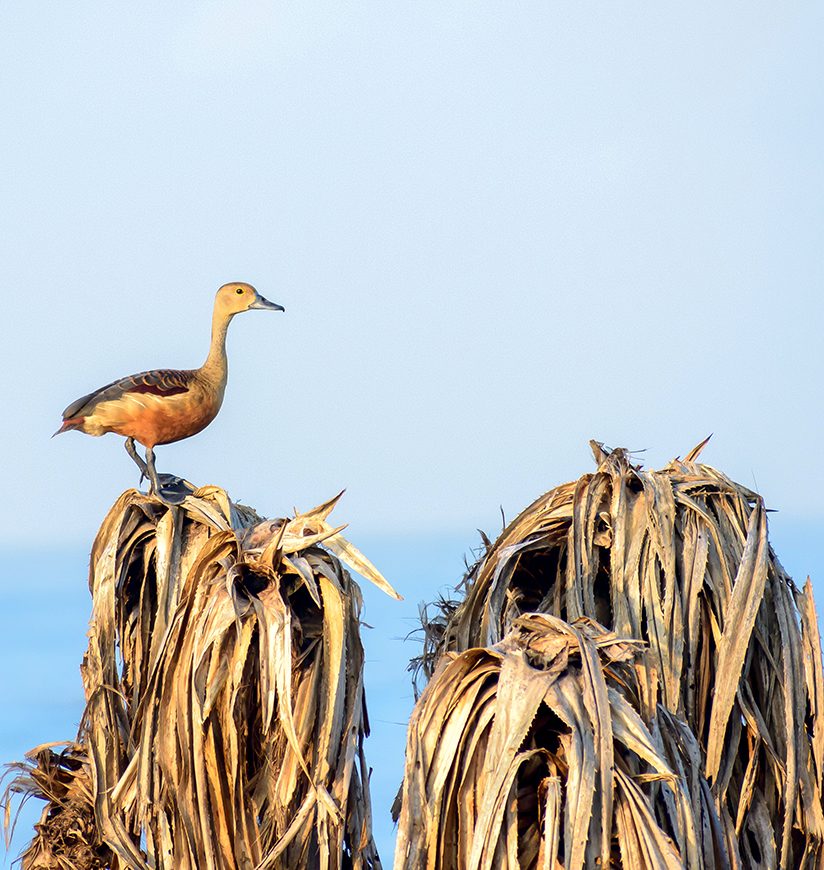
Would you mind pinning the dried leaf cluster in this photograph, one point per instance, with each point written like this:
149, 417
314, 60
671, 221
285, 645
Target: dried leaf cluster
66, 836
630, 680
225, 711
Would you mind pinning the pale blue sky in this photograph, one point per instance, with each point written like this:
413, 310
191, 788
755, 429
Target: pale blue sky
498, 229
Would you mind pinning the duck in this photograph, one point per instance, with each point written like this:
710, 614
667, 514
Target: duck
162, 406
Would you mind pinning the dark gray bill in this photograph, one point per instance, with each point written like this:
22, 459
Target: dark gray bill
266, 305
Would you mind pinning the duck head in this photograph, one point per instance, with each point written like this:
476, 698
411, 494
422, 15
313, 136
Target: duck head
237, 296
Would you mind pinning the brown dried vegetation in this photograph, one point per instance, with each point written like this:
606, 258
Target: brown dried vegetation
225, 711
631, 680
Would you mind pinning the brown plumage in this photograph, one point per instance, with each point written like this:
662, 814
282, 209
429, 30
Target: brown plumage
166, 405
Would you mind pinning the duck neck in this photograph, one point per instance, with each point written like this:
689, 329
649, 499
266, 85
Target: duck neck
216, 367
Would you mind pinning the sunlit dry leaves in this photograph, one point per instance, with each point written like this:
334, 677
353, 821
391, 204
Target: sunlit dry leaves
225, 711
658, 675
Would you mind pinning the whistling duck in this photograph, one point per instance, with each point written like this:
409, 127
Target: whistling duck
166, 405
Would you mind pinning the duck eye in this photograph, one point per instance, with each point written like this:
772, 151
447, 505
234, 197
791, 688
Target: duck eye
239, 290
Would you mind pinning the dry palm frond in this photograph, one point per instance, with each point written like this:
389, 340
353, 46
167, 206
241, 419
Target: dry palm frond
225, 710
702, 746
66, 836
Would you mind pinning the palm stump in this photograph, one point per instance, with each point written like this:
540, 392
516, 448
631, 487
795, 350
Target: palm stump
630, 680
225, 711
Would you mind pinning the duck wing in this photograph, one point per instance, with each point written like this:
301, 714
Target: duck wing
160, 382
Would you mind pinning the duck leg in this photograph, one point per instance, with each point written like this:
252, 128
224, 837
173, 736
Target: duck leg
132, 451
151, 473
168, 488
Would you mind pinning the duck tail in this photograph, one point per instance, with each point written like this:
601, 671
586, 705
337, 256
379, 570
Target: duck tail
71, 423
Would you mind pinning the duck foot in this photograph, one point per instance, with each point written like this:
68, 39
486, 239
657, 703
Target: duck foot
167, 488
172, 490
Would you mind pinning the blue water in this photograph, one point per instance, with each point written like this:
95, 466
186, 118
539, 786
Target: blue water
44, 606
